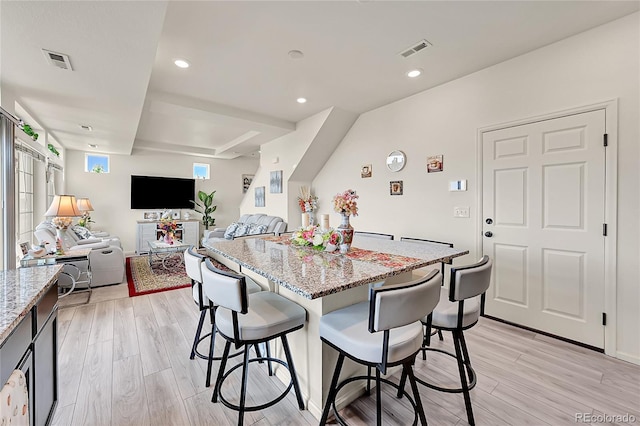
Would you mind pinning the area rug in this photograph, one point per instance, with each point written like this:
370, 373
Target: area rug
145, 279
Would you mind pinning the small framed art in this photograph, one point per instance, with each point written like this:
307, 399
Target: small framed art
275, 183
259, 194
395, 187
365, 171
435, 164
246, 182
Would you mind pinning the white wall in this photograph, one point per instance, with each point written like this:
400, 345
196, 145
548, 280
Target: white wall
110, 193
594, 66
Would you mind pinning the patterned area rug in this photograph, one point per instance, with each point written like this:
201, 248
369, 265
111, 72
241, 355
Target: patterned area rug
145, 279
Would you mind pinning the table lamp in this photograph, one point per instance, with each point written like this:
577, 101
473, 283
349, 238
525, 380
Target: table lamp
62, 209
84, 205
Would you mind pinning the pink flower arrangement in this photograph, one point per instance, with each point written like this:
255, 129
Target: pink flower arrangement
327, 240
345, 202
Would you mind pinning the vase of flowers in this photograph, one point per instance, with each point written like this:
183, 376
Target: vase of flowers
308, 203
345, 204
168, 228
316, 238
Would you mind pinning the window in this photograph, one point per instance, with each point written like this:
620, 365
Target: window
200, 171
95, 163
25, 197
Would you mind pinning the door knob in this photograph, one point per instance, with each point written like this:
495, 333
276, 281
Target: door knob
489, 221
488, 234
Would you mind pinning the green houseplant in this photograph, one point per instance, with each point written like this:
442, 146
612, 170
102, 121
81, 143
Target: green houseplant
205, 207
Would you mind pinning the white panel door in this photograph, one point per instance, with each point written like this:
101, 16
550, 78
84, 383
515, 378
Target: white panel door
543, 215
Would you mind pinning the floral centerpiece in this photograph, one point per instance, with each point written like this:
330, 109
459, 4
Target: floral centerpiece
345, 204
168, 228
319, 239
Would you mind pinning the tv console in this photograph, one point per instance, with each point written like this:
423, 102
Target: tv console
148, 230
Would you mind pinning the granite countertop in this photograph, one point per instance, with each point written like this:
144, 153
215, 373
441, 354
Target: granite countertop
20, 289
314, 274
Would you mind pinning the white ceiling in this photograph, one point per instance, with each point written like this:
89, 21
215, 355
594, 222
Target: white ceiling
241, 88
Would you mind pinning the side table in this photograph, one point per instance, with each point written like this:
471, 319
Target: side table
74, 274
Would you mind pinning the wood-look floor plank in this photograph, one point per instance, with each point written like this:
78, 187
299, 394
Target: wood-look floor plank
166, 407
63, 415
160, 306
152, 350
142, 306
65, 317
125, 336
72, 353
93, 406
524, 402
130, 405
202, 412
102, 327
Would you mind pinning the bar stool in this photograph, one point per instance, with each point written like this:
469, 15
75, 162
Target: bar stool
250, 319
382, 332
459, 310
192, 263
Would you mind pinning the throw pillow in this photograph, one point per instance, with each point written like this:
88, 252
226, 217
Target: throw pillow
82, 232
243, 229
257, 229
231, 229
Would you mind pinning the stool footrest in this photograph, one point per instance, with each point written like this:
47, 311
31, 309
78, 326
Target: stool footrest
471, 372
215, 358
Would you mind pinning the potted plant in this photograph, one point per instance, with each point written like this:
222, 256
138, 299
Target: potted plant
205, 207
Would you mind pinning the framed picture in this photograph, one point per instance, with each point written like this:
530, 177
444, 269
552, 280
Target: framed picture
175, 215
275, 183
365, 171
246, 182
434, 164
153, 215
24, 247
395, 187
259, 194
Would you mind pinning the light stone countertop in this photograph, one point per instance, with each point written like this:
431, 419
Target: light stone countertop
20, 289
314, 274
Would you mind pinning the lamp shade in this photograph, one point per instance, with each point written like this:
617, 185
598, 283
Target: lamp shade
84, 205
63, 206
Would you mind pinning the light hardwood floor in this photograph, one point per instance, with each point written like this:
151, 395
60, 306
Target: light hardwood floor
125, 361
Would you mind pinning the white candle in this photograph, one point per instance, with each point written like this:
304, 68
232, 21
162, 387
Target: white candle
305, 219
325, 221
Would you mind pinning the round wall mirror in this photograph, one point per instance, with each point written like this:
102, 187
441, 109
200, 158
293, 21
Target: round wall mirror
396, 160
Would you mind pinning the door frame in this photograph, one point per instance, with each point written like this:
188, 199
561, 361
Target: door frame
610, 203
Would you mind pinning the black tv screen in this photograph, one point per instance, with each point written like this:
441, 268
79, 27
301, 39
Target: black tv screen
154, 192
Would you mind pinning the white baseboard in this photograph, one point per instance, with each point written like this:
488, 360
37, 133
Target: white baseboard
634, 359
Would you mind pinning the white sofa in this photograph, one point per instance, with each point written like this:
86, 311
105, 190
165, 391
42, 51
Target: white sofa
106, 257
269, 224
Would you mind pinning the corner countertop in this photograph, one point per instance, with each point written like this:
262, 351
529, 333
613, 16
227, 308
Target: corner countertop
20, 289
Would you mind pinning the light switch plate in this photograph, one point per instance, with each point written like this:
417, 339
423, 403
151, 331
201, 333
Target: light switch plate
461, 211
458, 185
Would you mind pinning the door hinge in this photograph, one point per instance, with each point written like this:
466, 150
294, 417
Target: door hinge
605, 139
604, 229
604, 318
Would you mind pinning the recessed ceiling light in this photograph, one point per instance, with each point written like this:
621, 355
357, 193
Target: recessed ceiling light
181, 63
301, 100
414, 73
93, 145
296, 54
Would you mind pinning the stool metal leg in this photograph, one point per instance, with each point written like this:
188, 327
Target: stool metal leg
292, 371
243, 388
403, 381
332, 390
203, 315
368, 380
457, 342
378, 399
268, 350
223, 365
211, 346
408, 371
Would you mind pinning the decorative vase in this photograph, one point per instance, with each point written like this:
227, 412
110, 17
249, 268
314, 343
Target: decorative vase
346, 230
312, 218
168, 238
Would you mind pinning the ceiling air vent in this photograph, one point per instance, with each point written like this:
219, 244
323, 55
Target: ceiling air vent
56, 59
422, 44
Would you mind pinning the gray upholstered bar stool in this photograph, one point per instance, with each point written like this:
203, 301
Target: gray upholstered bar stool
250, 319
382, 332
192, 262
459, 310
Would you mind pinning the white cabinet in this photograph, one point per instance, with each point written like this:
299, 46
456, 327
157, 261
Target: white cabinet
149, 231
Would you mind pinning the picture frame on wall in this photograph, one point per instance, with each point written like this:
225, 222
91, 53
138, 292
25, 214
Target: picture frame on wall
396, 187
151, 215
365, 171
24, 247
275, 183
259, 196
435, 163
246, 182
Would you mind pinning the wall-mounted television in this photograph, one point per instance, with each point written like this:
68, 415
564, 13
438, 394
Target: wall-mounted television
155, 192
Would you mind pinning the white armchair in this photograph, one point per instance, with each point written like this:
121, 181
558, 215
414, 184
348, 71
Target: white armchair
107, 261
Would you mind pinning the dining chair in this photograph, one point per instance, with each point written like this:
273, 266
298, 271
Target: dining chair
457, 311
192, 262
247, 320
383, 332
374, 235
